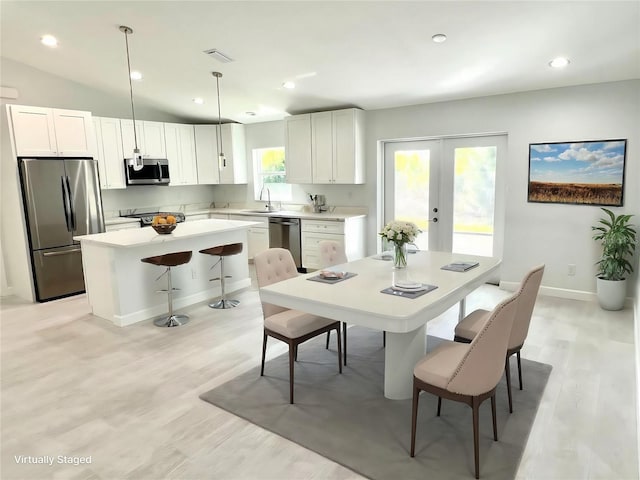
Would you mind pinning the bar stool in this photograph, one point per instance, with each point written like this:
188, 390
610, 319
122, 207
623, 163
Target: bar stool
223, 251
169, 260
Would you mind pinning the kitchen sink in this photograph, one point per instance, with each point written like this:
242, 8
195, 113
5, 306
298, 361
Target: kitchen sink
262, 210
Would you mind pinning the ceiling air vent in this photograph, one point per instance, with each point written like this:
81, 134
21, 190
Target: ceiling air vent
218, 55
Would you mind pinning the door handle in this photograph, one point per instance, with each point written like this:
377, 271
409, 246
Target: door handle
65, 203
72, 215
65, 252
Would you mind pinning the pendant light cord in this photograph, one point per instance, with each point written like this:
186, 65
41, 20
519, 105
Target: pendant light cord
220, 149
133, 112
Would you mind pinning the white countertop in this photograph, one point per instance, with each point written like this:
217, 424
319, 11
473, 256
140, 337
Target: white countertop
136, 237
329, 216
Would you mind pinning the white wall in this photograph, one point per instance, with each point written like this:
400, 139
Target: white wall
535, 233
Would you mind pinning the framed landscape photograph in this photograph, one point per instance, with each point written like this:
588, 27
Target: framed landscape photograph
587, 173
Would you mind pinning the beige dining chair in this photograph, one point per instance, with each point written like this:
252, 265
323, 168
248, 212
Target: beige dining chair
332, 253
467, 372
469, 327
292, 327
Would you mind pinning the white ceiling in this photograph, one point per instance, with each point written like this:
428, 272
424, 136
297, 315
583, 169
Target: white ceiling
366, 54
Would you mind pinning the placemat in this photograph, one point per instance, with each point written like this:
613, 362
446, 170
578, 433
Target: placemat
398, 293
460, 266
318, 278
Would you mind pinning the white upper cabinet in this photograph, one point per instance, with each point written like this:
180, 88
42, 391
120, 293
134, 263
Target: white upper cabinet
154, 142
337, 146
207, 154
51, 132
150, 135
129, 137
322, 151
108, 152
74, 132
181, 153
297, 144
233, 146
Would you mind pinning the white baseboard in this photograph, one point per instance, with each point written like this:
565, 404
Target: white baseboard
6, 292
178, 303
554, 292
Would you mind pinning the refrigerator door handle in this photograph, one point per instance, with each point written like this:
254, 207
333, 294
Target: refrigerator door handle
72, 214
66, 252
65, 203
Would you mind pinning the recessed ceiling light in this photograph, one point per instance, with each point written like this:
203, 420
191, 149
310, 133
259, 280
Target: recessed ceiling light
559, 62
49, 40
439, 37
136, 75
251, 114
290, 85
198, 100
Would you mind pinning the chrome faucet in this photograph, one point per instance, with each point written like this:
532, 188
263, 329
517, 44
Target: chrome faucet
268, 206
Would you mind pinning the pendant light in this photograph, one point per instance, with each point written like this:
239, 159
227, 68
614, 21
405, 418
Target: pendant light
222, 160
137, 158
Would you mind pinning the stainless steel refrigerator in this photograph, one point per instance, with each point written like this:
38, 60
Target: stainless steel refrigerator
61, 200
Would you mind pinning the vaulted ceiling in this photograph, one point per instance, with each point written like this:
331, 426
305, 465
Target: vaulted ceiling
370, 55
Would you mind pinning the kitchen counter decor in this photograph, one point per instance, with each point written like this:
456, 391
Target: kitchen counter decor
400, 233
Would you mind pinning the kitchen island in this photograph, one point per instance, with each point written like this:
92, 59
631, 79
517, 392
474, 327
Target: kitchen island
122, 289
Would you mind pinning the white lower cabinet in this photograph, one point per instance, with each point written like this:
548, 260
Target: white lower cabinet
258, 234
348, 232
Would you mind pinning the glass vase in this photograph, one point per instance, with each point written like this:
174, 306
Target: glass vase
399, 255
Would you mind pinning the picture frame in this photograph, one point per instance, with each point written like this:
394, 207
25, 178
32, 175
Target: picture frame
587, 172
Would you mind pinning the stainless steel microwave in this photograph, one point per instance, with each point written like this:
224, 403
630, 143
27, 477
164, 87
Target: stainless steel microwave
154, 171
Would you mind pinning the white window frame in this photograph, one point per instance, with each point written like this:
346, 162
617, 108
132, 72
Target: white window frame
283, 193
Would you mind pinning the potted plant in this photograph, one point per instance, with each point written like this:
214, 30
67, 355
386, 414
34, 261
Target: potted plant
618, 240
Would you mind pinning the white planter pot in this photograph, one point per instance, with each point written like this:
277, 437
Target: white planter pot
611, 293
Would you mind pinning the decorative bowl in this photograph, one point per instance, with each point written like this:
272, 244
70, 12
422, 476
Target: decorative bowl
164, 228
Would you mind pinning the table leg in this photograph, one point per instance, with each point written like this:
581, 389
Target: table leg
402, 352
461, 311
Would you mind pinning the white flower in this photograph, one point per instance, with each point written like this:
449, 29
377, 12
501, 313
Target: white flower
400, 232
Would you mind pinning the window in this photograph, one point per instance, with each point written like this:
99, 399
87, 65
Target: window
270, 172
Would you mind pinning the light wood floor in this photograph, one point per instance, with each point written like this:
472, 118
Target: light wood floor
75, 385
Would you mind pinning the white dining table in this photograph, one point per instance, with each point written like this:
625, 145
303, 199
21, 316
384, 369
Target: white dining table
358, 300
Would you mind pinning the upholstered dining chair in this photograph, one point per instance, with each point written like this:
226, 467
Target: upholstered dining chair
292, 327
332, 253
469, 327
467, 373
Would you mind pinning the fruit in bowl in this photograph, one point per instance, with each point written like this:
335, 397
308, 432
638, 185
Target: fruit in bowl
163, 225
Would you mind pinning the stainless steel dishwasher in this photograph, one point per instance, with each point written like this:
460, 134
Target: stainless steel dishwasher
284, 232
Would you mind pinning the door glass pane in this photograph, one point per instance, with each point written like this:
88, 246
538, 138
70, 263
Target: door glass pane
474, 200
411, 173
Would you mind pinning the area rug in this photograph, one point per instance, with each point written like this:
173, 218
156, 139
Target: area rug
347, 419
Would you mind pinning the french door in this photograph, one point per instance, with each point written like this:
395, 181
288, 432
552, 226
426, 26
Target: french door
449, 187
